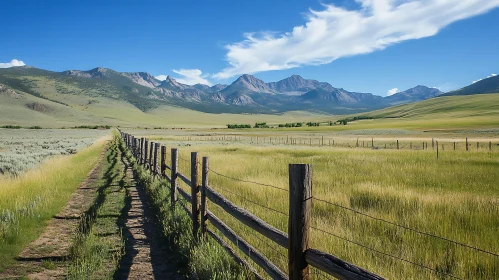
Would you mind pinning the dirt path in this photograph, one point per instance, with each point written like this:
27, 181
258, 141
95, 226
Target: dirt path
55, 242
146, 256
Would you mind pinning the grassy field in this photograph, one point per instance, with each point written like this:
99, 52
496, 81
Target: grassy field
23, 149
455, 196
28, 201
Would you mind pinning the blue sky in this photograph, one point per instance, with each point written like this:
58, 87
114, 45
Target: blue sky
364, 45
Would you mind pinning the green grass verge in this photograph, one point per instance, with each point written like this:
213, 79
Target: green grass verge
198, 260
28, 202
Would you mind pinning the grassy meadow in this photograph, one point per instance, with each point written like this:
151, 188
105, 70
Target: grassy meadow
23, 149
455, 196
30, 200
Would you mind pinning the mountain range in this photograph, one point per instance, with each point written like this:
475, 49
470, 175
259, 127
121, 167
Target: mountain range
247, 94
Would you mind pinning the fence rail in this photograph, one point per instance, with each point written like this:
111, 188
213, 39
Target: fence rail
300, 256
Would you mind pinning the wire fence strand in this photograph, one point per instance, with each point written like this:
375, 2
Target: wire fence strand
251, 182
386, 254
408, 228
253, 202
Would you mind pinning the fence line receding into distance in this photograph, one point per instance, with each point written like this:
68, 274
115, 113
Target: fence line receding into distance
296, 241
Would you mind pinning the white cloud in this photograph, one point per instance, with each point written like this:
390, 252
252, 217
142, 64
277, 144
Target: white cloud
336, 32
490, 76
392, 91
191, 77
12, 63
161, 77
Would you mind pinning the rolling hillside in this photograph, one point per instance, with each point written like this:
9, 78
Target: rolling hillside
247, 94
31, 96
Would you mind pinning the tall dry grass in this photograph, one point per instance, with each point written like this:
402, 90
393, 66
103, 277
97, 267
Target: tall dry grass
28, 201
456, 196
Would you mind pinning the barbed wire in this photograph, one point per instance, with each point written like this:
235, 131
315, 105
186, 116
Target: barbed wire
408, 228
240, 180
386, 254
253, 202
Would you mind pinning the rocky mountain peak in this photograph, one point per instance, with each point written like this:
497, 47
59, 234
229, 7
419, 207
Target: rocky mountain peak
143, 78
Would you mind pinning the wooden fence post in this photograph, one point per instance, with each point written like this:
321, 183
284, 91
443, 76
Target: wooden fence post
145, 152
397, 144
204, 184
490, 146
454, 146
155, 162
477, 145
300, 206
372, 143
173, 185
151, 155
142, 142
357, 142
195, 194
163, 161
466, 143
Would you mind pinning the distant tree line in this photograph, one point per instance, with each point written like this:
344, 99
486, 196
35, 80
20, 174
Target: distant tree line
313, 124
347, 120
298, 124
261, 125
93, 127
234, 126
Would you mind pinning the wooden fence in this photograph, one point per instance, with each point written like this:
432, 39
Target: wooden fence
300, 256
361, 142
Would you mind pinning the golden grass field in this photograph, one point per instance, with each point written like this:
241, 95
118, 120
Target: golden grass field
455, 196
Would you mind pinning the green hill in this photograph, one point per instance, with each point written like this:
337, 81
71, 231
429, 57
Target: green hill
471, 111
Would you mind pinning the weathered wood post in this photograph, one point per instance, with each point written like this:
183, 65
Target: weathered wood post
155, 161
410, 145
163, 161
466, 143
477, 145
357, 142
142, 143
195, 194
322, 143
151, 155
454, 146
145, 152
490, 146
372, 143
397, 144
173, 193
432, 144
300, 206
204, 184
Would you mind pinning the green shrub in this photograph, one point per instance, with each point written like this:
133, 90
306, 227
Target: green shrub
234, 126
